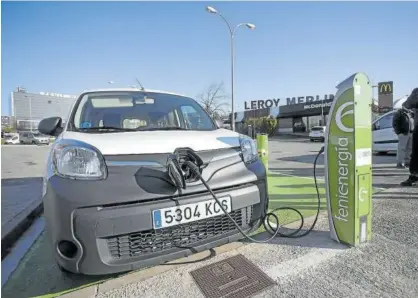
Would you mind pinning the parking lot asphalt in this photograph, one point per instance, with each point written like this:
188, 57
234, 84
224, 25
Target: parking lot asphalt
37, 273
22, 168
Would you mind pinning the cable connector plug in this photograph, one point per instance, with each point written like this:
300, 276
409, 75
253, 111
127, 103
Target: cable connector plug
321, 150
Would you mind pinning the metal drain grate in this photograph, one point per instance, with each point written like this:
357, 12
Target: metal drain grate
234, 277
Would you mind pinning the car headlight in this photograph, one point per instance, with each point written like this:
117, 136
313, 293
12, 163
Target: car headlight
248, 149
76, 162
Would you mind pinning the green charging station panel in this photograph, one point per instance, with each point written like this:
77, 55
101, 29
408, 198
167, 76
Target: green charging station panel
348, 161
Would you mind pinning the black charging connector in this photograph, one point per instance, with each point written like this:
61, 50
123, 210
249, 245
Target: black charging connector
174, 166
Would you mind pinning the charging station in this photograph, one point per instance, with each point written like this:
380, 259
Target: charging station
348, 161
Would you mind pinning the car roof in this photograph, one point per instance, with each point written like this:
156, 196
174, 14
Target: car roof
132, 89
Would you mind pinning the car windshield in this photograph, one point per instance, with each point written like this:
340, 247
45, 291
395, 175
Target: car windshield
135, 111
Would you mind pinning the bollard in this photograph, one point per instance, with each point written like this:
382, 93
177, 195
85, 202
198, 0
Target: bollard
348, 161
263, 149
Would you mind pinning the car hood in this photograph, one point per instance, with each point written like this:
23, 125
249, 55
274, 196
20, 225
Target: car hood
148, 142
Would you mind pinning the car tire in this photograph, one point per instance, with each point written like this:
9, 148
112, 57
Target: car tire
312, 140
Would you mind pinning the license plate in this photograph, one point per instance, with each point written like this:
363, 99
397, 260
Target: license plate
172, 216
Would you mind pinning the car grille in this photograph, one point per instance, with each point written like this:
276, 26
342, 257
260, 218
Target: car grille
181, 236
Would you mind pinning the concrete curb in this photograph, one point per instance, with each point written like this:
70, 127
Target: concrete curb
12, 231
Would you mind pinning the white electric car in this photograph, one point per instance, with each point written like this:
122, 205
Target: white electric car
385, 139
110, 203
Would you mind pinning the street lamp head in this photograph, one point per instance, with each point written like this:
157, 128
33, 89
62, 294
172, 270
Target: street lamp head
210, 9
250, 26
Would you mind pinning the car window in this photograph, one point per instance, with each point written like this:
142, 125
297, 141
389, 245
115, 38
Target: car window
384, 122
139, 110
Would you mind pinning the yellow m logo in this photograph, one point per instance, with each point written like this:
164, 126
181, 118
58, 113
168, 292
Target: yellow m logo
385, 88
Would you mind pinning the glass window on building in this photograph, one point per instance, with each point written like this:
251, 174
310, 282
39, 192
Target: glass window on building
315, 121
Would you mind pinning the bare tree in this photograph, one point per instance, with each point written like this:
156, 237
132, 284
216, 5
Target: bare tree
213, 100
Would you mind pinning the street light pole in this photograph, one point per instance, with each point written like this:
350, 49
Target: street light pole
212, 10
232, 82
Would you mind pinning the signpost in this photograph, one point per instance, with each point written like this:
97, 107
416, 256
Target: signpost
348, 161
385, 93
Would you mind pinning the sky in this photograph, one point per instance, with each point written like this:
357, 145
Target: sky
296, 49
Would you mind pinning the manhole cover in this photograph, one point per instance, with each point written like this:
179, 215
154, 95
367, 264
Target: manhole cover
233, 277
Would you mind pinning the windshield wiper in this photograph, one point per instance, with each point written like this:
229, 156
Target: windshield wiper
162, 128
106, 128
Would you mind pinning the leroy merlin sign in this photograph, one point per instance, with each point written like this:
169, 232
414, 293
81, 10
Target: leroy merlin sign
348, 156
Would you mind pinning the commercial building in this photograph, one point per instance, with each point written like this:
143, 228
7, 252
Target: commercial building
297, 114
28, 109
7, 121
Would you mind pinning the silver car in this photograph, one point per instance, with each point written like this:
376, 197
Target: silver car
37, 138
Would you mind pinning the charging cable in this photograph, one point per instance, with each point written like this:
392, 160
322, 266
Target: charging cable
274, 231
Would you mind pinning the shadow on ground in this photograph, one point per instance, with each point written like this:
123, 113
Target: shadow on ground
317, 238
38, 274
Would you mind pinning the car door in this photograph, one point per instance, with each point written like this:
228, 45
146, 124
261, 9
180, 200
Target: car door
384, 137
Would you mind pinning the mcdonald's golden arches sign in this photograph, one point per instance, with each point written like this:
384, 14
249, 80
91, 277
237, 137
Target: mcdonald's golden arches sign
385, 88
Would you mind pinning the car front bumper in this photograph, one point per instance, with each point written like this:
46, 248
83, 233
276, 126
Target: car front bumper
317, 137
120, 237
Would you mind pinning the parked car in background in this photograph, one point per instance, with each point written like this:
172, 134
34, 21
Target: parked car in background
11, 139
385, 139
317, 133
28, 137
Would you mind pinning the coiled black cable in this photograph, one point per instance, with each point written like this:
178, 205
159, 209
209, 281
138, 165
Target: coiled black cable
274, 231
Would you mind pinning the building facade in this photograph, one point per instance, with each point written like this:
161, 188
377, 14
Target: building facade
28, 109
297, 114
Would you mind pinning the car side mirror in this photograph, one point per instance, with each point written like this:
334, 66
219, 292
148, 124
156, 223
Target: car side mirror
50, 126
